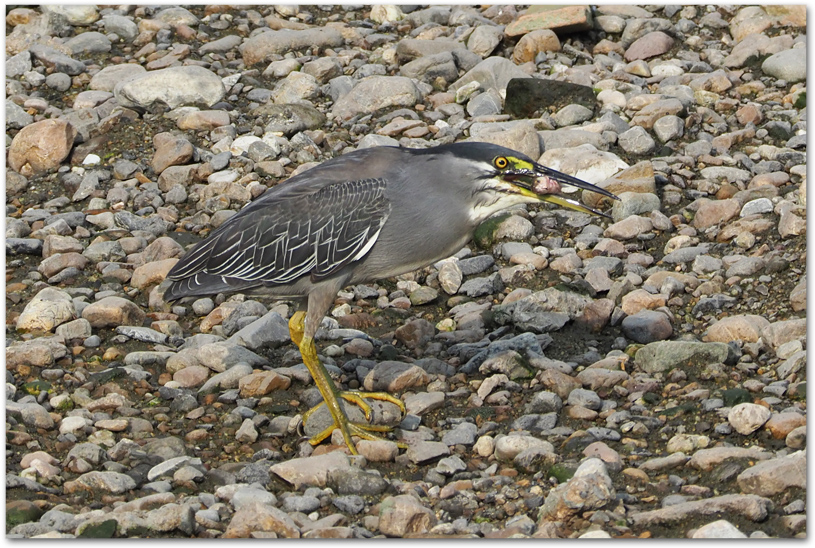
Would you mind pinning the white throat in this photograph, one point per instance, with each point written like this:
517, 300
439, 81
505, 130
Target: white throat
493, 201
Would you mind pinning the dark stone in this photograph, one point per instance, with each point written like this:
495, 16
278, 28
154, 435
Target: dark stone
529, 97
356, 482
103, 529
255, 472
350, 504
21, 511
735, 396
26, 246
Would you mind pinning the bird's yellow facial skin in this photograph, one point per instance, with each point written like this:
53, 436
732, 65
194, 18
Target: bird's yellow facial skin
511, 164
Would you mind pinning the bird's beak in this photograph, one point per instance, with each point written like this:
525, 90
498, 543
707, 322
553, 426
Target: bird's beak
544, 183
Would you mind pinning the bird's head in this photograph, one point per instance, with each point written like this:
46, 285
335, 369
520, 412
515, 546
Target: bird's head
499, 178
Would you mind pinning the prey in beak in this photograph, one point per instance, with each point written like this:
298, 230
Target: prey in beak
544, 183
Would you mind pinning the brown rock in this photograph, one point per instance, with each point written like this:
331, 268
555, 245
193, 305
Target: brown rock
162, 248
753, 224
39, 352
649, 114
791, 224
533, 43
261, 383
151, 273
378, 450
359, 347
652, 44
746, 328
40, 147
311, 471
564, 19
639, 299
191, 377
707, 459
596, 315
776, 179
48, 309
637, 178
113, 311
775, 476
415, 333
404, 514
20, 16
57, 263
255, 517
629, 228
557, 382
778, 333
390, 376
580, 413
792, 16
54, 243
606, 46
749, 113
171, 150
723, 143
750, 506
203, 120
173, 175
798, 296
715, 212
781, 424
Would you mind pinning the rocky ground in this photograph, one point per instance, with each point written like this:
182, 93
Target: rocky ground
565, 376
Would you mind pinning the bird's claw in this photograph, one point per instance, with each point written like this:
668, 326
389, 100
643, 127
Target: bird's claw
360, 430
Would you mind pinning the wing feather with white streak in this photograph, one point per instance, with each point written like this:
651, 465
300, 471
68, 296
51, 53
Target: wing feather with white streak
277, 242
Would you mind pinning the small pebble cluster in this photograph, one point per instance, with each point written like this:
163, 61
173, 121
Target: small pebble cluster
565, 375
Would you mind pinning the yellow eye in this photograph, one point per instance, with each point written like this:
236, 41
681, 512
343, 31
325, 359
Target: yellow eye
501, 162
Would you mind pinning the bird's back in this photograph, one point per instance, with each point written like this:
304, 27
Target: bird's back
274, 239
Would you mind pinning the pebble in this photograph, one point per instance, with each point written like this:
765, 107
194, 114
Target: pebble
746, 418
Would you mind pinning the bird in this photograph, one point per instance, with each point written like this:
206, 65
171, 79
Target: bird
363, 216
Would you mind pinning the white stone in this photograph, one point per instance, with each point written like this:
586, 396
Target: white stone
746, 418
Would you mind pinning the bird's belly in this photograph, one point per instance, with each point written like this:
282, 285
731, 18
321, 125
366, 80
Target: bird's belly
383, 262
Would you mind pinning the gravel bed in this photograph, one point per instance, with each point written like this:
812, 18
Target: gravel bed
565, 375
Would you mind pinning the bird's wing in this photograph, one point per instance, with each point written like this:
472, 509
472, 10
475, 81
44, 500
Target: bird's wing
314, 234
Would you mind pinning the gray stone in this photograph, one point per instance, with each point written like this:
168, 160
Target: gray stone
491, 73
174, 87
376, 93
584, 398
121, 26
263, 46
636, 141
271, 330
425, 451
647, 326
665, 355
589, 489
774, 476
462, 434
227, 379
110, 482
752, 507
719, 529
789, 65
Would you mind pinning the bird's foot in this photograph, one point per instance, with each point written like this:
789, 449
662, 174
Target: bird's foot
361, 430
357, 398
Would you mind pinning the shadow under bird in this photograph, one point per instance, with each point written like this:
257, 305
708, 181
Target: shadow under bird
364, 216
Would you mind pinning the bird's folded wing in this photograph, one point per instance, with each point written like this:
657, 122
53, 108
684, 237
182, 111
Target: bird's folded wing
281, 240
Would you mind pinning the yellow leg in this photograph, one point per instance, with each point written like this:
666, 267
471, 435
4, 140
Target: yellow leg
330, 393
